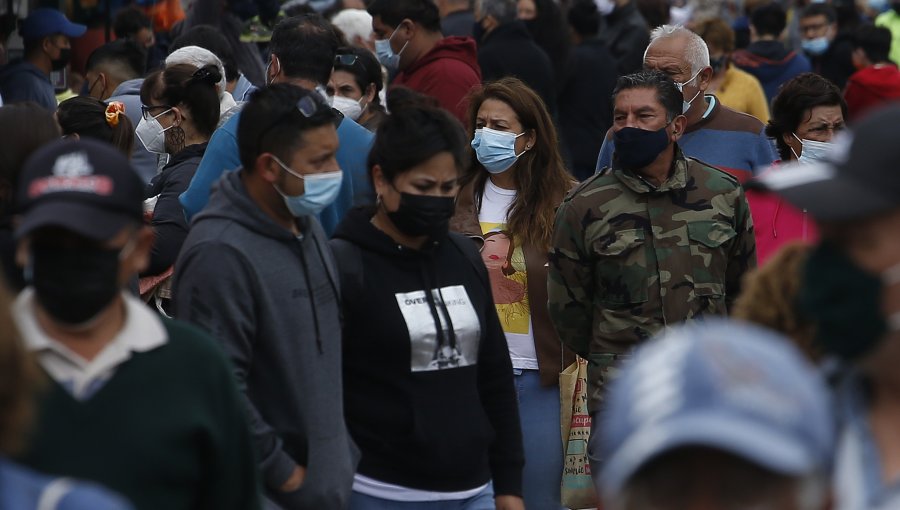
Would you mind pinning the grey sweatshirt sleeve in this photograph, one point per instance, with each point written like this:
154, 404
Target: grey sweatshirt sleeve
214, 290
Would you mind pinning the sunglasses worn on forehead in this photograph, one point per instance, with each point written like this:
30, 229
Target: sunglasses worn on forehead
346, 59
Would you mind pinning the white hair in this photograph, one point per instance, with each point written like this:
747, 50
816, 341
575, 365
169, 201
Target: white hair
353, 23
696, 51
198, 57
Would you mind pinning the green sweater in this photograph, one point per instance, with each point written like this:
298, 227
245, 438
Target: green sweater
167, 430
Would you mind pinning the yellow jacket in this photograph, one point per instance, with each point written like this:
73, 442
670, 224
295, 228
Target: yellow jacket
741, 91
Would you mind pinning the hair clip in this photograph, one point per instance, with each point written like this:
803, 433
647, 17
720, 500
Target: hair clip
113, 110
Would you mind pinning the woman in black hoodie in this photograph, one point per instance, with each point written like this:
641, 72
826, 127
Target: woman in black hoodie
428, 388
180, 113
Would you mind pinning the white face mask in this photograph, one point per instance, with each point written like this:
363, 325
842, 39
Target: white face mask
811, 150
605, 7
349, 107
152, 134
686, 105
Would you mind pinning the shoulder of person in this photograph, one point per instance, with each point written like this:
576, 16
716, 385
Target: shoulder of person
712, 176
600, 179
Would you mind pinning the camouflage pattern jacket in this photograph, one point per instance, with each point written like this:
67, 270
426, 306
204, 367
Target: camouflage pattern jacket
629, 258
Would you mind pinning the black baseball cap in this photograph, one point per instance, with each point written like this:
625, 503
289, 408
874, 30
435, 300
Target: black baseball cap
85, 186
860, 177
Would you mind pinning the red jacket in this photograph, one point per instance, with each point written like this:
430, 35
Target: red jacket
447, 73
870, 87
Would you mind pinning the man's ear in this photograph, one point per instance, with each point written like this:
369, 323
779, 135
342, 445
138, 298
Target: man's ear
370, 93
679, 124
267, 168
704, 78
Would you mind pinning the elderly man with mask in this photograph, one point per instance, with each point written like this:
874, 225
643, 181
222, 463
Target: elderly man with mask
660, 239
851, 292
719, 136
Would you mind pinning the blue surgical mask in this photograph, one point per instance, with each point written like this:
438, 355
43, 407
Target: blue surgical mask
686, 105
496, 150
816, 46
878, 6
386, 54
812, 150
319, 191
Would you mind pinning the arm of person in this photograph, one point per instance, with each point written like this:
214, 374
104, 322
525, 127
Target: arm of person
743, 252
570, 281
214, 290
763, 152
169, 224
221, 155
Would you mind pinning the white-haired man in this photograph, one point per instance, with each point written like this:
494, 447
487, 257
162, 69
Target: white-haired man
356, 25
732, 141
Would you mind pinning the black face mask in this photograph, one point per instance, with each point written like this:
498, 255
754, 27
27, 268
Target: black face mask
74, 285
65, 54
477, 31
718, 65
423, 215
636, 148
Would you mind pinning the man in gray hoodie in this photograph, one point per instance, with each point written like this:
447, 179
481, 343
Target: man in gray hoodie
256, 272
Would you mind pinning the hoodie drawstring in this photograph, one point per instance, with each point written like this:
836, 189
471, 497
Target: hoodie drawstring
312, 300
430, 281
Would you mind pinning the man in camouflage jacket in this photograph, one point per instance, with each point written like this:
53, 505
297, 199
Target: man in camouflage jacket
644, 245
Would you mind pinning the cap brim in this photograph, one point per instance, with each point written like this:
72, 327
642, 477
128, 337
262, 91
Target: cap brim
74, 30
823, 191
730, 433
82, 219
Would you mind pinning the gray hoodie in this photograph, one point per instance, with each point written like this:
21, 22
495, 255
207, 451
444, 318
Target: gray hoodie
271, 299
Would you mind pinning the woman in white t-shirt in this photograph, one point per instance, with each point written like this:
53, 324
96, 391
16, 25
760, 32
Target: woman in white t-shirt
509, 203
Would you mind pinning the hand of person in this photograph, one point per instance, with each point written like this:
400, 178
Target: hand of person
295, 480
509, 503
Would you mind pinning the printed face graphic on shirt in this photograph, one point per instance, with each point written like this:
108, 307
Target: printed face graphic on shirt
506, 268
430, 351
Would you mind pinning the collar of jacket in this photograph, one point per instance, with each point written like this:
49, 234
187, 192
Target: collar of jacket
677, 177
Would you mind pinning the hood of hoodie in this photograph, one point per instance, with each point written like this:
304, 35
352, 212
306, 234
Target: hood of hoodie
454, 47
880, 81
129, 88
19, 66
231, 201
767, 59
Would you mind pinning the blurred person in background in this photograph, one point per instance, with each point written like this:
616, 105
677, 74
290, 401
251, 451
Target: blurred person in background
355, 86
506, 48
877, 81
585, 114
435, 417
544, 20
655, 12
211, 39
851, 293
736, 89
625, 33
114, 72
408, 42
86, 117
715, 134
133, 25
518, 180
829, 51
766, 57
457, 17
717, 415
890, 20
46, 34
356, 25
24, 128
181, 110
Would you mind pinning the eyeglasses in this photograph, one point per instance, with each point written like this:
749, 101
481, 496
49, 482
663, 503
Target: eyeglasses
347, 59
146, 110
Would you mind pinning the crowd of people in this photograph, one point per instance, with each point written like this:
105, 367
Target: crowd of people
331, 254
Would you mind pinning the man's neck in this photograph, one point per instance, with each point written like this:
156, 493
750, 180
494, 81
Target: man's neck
90, 340
41, 62
658, 172
303, 83
261, 194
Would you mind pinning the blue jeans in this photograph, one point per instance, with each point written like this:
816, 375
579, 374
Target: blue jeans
484, 500
539, 415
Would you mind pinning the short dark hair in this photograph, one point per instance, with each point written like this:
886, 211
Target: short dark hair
125, 54
874, 41
820, 10
666, 91
584, 18
393, 12
414, 132
273, 112
185, 84
365, 70
86, 117
129, 21
305, 46
210, 39
796, 97
770, 19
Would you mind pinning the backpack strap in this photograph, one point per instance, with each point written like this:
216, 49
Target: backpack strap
53, 493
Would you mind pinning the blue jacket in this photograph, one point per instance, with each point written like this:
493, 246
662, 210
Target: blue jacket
21, 488
23, 81
771, 64
222, 155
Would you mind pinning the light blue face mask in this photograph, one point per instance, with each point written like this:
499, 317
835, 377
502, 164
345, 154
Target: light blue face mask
812, 151
816, 46
319, 191
496, 150
686, 105
386, 54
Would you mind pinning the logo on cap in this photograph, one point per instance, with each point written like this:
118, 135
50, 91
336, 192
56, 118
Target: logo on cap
72, 172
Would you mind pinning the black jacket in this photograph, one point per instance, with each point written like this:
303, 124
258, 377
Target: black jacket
585, 110
626, 34
430, 408
509, 50
836, 63
459, 23
168, 221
